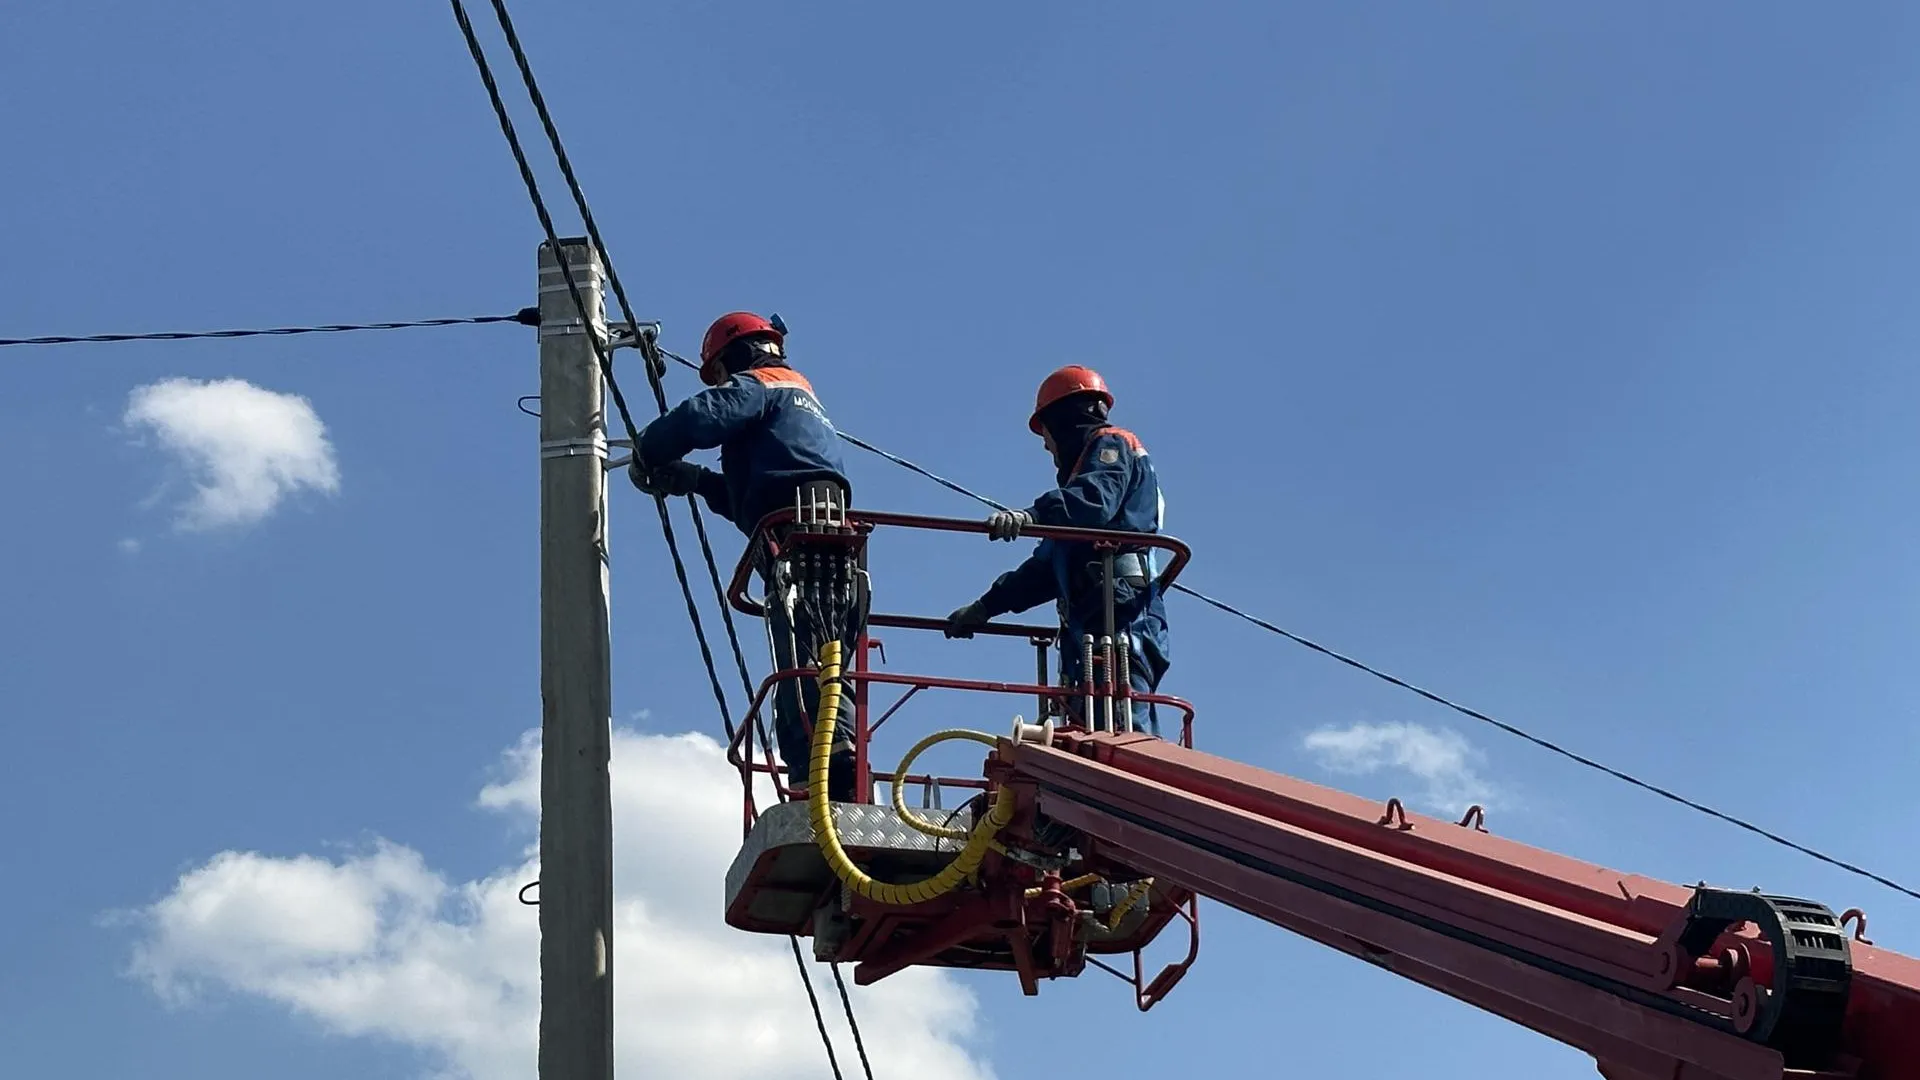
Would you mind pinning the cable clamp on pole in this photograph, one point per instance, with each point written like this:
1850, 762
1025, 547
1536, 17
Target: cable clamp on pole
626, 336
595, 444
570, 327
622, 461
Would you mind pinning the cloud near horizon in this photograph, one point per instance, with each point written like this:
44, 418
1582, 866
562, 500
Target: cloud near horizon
245, 449
379, 945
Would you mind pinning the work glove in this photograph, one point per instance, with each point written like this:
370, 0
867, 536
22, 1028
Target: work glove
671, 480
1006, 524
962, 623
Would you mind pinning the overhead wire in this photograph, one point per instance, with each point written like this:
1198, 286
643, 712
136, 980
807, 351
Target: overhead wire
654, 373
530, 317
875, 450
859, 1044
1448, 703
1550, 746
648, 345
652, 352
525, 317
599, 347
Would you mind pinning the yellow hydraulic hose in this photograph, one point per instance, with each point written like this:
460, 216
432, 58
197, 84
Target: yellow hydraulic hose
1134, 896
820, 812
950, 832
945, 832
1068, 885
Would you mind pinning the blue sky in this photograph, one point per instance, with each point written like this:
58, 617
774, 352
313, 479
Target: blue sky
1559, 360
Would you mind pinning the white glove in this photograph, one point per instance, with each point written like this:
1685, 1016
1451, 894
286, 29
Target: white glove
1006, 524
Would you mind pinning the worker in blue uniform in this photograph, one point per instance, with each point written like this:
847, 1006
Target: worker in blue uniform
776, 447
1106, 481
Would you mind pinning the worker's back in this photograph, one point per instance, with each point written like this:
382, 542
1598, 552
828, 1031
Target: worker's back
790, 443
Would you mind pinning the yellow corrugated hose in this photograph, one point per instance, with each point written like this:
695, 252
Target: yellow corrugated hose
820, 812
951, 832
946, 832
1134, 896
1068, 885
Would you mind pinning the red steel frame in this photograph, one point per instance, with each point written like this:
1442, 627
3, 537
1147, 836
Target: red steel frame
742, 753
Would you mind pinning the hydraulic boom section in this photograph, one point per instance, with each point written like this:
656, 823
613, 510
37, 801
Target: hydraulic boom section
1087, 840
1653, 980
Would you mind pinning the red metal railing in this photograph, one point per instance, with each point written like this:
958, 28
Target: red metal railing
869, 520
752, 756
1107, 697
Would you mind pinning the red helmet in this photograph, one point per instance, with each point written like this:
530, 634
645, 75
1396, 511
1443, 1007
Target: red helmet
1069, 380
726, 330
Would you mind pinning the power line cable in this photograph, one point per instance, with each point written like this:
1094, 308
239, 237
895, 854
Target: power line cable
656, 370
1550, 746
813, 999
530, 317
652, 353
525, 317
1437, 699
606, 366
859, 1044
872, 449
600, 352
655, 365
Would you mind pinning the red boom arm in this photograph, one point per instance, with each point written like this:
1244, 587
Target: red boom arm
1653, 980
1656, 981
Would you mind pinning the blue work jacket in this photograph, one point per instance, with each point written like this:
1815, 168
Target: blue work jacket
773, 437
1112, 486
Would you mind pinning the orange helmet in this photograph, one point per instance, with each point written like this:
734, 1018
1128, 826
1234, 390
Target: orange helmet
726, 330
1069, 380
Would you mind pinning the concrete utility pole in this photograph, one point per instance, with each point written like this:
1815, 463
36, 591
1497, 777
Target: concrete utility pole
576, 694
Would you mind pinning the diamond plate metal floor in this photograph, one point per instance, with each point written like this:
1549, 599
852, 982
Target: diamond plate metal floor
789, 878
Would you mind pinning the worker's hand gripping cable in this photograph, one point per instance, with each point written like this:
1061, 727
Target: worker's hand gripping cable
673, 480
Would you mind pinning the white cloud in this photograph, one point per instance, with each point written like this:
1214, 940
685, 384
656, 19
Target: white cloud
379, 945
1443, 761
130, 546
246, 448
